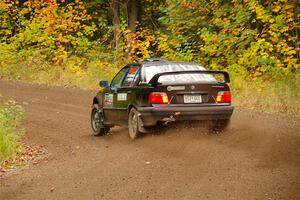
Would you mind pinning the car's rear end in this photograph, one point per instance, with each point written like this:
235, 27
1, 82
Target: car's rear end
185, 91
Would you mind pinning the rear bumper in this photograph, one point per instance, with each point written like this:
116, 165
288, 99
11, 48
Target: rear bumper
151, 115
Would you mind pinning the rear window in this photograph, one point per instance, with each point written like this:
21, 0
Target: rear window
150, 71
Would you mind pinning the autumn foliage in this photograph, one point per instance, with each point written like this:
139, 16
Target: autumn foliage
56, 28
248, 37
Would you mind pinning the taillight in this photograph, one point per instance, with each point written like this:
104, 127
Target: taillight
223, 97
158, 98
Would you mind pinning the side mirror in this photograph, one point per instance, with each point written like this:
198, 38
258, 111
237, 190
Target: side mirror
104, 84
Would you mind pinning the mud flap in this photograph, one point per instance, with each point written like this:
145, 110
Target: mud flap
141, 128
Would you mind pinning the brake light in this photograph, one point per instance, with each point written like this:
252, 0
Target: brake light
158, 98
223, 97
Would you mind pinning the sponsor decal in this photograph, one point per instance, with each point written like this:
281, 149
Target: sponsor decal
122, 97
171, 88
108, 99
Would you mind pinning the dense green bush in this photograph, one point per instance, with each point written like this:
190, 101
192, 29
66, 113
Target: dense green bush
10, 118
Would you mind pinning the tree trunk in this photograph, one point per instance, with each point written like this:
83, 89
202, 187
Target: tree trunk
132, 19
132, 14
115, 6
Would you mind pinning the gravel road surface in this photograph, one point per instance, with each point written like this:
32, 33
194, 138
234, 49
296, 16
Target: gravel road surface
258, 158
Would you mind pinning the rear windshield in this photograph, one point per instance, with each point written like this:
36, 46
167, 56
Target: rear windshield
150, 71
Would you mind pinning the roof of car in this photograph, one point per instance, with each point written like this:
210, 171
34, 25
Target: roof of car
159, 61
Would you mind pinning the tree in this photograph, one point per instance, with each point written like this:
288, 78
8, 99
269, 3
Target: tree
115, 6
132, 14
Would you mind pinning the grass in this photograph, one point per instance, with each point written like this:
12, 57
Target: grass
279, 96
10, 118
71, 75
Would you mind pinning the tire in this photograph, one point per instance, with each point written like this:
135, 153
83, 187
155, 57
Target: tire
133, 124
220, 125
97, 119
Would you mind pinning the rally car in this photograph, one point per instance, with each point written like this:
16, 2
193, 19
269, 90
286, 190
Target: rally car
156, 91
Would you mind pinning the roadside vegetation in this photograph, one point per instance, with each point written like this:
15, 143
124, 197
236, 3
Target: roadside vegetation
10, 118
77, 43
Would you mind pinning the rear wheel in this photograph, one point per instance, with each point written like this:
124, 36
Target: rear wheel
220, 125
97, 122
133, 124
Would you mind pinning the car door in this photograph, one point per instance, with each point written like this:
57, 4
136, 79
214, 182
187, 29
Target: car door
110, 107
125, 94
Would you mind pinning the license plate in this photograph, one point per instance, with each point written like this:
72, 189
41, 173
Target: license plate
187, 98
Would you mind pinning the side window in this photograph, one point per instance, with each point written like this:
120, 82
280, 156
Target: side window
117, 81
130, 77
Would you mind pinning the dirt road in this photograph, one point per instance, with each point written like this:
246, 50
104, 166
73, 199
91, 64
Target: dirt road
259, 158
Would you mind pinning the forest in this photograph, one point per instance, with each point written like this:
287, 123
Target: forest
76, 43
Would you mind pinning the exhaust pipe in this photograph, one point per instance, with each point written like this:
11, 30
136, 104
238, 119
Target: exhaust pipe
170, 119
